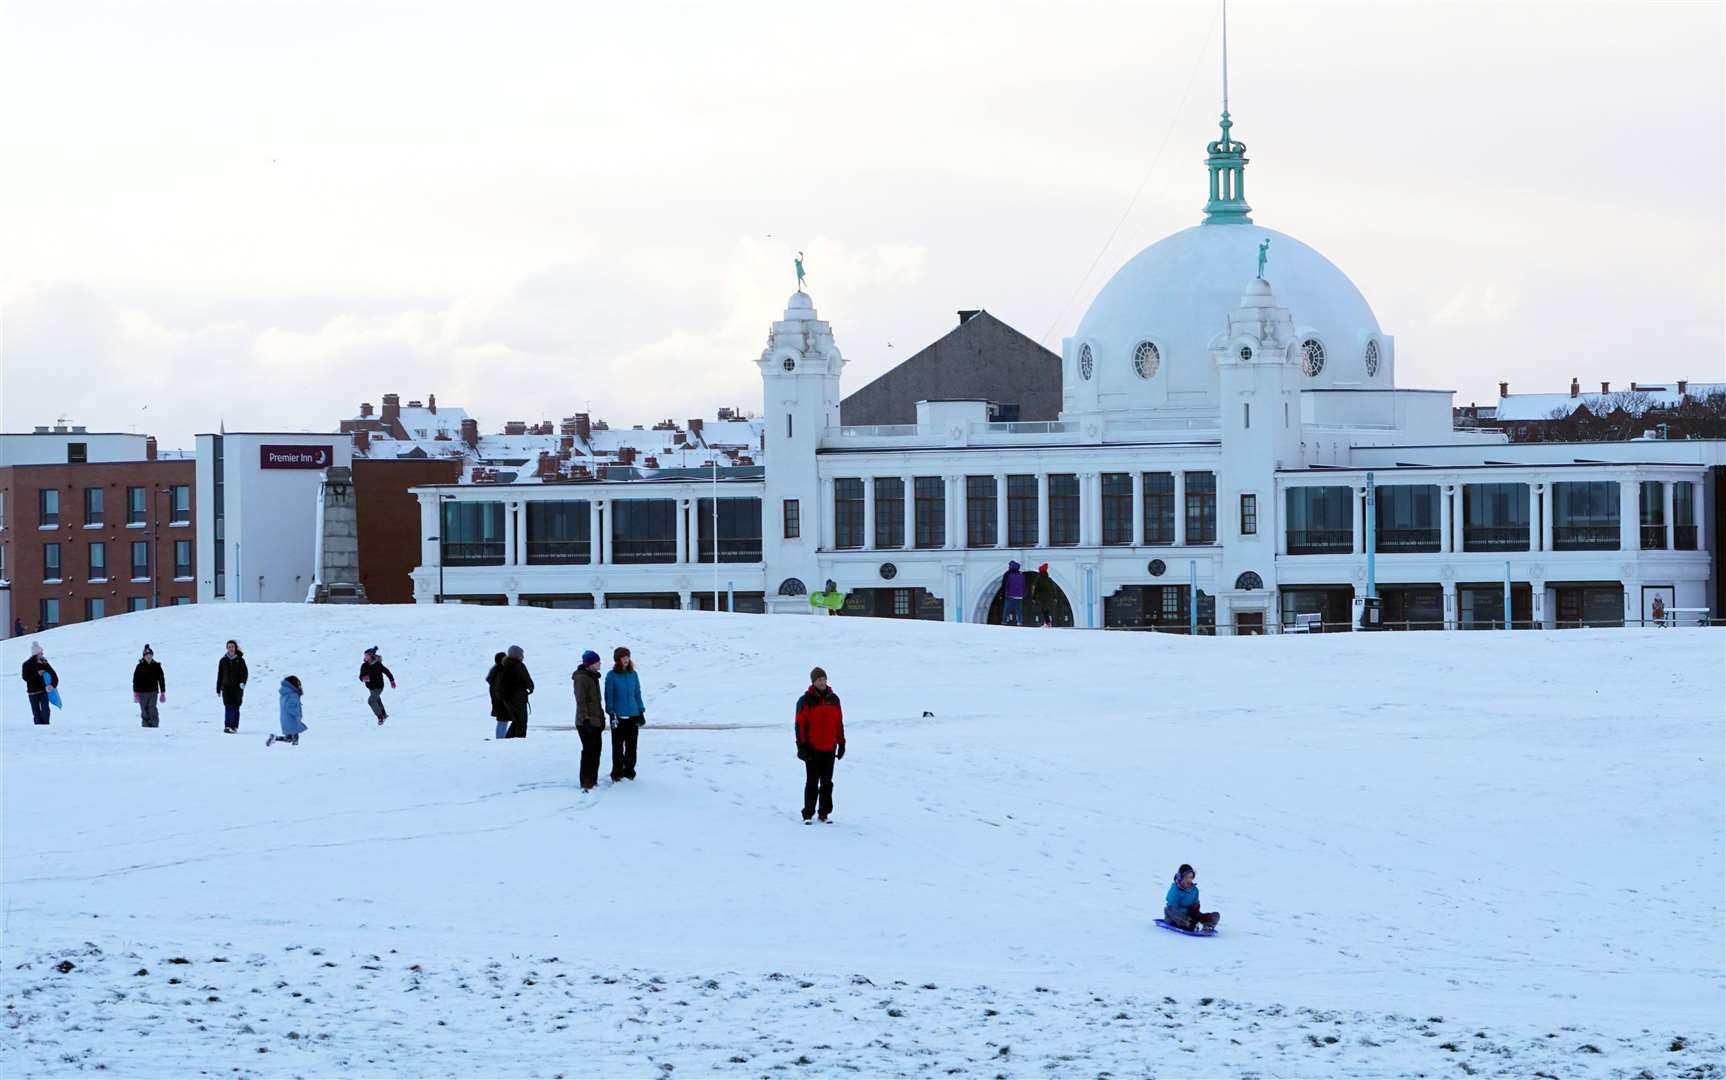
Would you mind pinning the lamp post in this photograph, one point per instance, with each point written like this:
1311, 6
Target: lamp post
438, 540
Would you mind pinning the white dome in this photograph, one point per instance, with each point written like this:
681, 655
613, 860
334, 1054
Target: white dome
1177, 294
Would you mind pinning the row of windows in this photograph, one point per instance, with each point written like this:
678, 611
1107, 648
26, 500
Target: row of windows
48, 609
178, 498
641, 531
982, 521
96, 560
1495, 517
1147, 358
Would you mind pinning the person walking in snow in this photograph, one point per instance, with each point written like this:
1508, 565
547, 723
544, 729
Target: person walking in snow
1013, 591
149, 687
589, 716
499, 714
1042, 588
820, 728
17, 627
373, 673
1181, 906
514, 685
231, 675
39, 677
623, 705
292, 713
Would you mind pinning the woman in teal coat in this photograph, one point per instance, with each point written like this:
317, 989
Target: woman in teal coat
623, 705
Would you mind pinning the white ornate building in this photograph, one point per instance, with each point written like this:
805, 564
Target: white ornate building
1222, 439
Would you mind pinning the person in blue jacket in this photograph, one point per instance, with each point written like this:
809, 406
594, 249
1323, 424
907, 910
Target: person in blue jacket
292, 725
1181, 907
623, 705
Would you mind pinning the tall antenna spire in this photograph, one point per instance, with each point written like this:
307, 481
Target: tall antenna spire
1228, 160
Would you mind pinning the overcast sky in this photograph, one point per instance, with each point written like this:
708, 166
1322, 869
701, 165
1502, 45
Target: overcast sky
265, 213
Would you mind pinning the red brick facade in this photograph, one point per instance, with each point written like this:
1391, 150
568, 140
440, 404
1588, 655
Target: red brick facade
24, 538
389, 521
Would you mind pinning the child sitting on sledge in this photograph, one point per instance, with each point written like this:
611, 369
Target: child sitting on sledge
1181, 906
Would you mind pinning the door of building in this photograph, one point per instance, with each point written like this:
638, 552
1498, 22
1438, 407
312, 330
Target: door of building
1249, 622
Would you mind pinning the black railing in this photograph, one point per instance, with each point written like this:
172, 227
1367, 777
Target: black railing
1406, 540
1585, 538
733, 551
473, 553
1495, 538
1319, 541
644, 551
558, 552
1653, 538
1684, 537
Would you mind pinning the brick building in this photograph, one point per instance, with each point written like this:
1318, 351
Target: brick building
389, 521
92, 524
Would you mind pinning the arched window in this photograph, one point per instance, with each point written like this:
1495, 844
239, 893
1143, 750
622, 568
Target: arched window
1146, 359
1371, 359
1312, 356
792, 587
1249, 581
1086, 363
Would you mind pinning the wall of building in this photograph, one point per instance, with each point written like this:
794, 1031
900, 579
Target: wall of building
268, 515
23, 535
50, 447
389, 522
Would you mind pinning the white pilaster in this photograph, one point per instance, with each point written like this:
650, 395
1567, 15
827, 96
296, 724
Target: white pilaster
683, 528
1459, 519
510, 510
1138, 508
1451, 614
1666, 491
868, 513
596, 549
1534, 533
1000, 509
824, 521
1180, 507
908, 489
1549, 506
1629, 520
1043, 534
1444, 523
955, 512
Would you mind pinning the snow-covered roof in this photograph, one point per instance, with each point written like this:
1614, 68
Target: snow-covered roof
1655, 395
422, 423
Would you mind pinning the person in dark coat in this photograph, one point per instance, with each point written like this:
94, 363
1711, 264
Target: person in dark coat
623, 705
1013, 593
820, 728
498, 713
149, 686
17, 627
231, 675
39, 677
1042, 597
373, 673
589, 716
514, 684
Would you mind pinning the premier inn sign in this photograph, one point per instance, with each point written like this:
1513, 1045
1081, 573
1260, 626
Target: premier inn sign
294, 457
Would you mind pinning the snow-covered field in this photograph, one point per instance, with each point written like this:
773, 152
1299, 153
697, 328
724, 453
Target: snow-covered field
1437, 854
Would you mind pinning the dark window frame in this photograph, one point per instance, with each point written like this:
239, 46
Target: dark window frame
137, 505
929, 518
1201, 507
791, 519
1158, 495
981, 522
1586, 515
642, 531
1023, 527
1117, 496
1249, 513
889, 511
1319, 519
53, 568
183, 568
1065, 523
1406, 519
94, 549
848, 496
1495, 517
740, 530
95, 506
140, 569
559, 532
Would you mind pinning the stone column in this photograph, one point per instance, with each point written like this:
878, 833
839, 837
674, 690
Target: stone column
955, 511
824, 523
1538, 589
1550, 504
1000, 509
1138, 509
1668, 494
908, 488
510, 509
1451, 614
1444, 518
1459, 520
868, 513
1535, 534
683, 529
685, 600
1180, 507
1043, 533
1091, 511
595, 555
1629, 517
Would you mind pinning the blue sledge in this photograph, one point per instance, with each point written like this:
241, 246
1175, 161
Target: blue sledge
54, 697
1190, 933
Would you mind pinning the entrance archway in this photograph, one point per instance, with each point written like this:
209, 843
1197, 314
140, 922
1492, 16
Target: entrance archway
1061, 610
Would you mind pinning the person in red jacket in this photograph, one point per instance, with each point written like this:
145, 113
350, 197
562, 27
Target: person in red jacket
820, 728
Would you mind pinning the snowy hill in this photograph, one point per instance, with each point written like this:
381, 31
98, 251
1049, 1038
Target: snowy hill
1495, 850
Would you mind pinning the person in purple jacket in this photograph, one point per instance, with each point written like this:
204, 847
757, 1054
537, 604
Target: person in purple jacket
1013, 589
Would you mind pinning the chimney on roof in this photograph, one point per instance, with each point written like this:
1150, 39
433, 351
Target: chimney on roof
41, 429
149, 448
431, 403
1503, 389
583, 426
1605, 387
470, 432
1575, 388
695, 425
1683, 387
79, 429
362, 442
365, 410
966, 316
391, 414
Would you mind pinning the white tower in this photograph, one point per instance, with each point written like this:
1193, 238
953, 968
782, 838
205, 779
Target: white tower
799, 401
1258, 375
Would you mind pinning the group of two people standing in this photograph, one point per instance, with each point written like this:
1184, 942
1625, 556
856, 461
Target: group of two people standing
616, 703
1035, 587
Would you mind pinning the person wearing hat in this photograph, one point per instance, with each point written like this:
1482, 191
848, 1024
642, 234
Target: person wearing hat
1181, 906
148, 687
589, 716
231, 676
39, 678
1042, 597
513, 685
820, 728
623, 705
373, 673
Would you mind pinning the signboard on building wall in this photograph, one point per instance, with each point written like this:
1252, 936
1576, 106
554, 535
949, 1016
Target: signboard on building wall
294, 457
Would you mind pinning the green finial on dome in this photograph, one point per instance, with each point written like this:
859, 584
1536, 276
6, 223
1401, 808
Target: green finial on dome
1227, 161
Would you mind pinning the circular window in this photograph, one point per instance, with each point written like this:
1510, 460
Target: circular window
1146, 359
1312, 357
1156, 567
1246, 353
790, 364
1371, 359
1249, 581
889, 571
1086, 363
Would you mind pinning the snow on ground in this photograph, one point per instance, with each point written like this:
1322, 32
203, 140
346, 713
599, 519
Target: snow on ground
1434, 853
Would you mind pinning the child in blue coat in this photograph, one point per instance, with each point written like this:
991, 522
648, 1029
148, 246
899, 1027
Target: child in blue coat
1181, 906
292, 725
